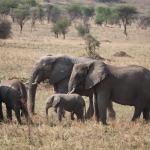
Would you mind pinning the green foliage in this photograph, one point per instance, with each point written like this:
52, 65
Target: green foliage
91, 44
48, 11
21, 12
82, 30
47, 1
21, 15
104, 13
74, 11
40, 12
55, 13
88, 11
61, 27
114, 18
126, 13
7, 5
28, 2
5, 29
99, 19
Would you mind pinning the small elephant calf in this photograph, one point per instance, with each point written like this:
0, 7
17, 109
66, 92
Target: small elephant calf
73, 103
13, 93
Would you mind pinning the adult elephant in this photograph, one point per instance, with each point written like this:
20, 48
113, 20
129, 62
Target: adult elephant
57, 69
128, 85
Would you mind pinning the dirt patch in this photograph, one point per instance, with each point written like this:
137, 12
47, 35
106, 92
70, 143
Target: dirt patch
121, 54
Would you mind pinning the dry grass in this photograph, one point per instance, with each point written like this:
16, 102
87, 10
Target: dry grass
17, 57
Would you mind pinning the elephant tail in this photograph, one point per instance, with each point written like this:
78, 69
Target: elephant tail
84, 112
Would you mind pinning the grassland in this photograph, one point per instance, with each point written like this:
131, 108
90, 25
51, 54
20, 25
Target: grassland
19, 54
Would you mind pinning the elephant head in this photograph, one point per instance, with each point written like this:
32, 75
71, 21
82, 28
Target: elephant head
53, 68
87, 75
52, 101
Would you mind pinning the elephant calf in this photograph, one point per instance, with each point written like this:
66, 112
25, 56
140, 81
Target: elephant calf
13, 93
73, 103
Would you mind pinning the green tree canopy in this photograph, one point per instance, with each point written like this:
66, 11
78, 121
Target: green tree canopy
7, 5
55, 14
21, 15
104, 13
74, 11
126, 13
61, 27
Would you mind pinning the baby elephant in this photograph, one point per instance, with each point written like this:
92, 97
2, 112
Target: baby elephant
73, 103
13, 93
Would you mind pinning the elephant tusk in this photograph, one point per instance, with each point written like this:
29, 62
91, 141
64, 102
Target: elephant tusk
34, 83
71, 91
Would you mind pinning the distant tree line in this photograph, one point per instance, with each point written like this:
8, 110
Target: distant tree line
62, 17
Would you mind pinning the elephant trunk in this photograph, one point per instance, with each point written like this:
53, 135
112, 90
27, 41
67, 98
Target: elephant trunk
32, 92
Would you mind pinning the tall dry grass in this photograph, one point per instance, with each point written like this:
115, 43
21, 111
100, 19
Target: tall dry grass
19, 54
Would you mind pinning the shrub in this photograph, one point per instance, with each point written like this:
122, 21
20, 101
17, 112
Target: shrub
82, 30
91, 44
5, 29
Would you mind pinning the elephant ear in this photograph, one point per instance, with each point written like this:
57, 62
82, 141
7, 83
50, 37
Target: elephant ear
62, 68
97, 72
56, 100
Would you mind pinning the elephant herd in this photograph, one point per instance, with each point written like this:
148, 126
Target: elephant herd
73, 77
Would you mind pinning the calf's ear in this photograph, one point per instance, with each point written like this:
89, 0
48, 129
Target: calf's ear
56, 100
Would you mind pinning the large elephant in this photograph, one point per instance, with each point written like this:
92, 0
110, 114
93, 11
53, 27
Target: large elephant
13, 93
128, 85
57, 69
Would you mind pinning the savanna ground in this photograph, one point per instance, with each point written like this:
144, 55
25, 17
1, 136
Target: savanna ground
19, 54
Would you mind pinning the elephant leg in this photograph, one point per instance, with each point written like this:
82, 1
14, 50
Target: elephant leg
1, 113
103, 95
9, 113
111, 112
136, 114
63, 113
146, 114
90, 111
59, 113
17, 113
72, 115
95, 105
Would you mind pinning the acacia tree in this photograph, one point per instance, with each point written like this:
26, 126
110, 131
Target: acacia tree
61, 27
55, 14
103, 14
40, 12
74, 11
127, 14
7, 5
87, 13
48, 11
21, 15
33, 16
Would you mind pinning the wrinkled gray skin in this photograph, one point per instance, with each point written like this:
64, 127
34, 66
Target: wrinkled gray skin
73, 103
128, 85
13, 93
57, 69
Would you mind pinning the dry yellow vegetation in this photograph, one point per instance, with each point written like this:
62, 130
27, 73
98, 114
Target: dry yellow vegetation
19, 54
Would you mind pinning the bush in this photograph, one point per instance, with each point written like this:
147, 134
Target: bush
82, 30
5, 29
91, 44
